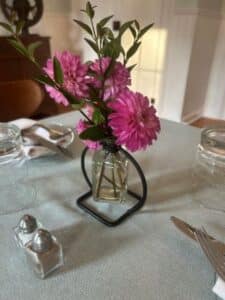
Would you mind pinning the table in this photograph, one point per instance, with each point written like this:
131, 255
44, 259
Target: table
144, 258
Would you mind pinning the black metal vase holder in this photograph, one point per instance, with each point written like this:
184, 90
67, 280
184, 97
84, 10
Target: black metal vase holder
81, 201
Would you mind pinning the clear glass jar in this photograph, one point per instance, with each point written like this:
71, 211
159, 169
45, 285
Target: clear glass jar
10, 143
15, 193
109, 175
209, 170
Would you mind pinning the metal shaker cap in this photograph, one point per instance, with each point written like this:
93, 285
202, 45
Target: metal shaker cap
27, 224
42, 241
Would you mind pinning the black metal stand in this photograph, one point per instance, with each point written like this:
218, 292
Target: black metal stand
140, 198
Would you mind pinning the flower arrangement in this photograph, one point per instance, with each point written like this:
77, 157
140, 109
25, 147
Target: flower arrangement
99, 89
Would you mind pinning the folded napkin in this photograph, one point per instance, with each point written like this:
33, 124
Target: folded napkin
32, 150
219, 288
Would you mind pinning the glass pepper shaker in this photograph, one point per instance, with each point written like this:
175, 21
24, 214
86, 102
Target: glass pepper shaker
25, 230
44, 253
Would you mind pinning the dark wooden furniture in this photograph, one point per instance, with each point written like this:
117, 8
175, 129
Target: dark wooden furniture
19, 99
13, 66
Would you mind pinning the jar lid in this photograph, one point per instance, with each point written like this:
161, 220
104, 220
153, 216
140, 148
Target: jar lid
213, 143
27, 224
42, 241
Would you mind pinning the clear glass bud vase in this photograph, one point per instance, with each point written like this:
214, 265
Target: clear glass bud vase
109, 174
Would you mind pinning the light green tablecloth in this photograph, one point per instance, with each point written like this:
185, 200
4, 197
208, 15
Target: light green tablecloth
144, 258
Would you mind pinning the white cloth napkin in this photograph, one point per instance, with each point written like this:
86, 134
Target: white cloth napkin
219, 288
30, 149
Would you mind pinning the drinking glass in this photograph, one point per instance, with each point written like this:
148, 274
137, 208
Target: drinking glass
209, 170
13, 171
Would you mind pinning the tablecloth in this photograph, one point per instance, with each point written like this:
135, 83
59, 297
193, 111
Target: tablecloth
143, 258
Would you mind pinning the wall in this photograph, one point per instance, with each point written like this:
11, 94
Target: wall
192, 42
206, 32
181, 30
215, 98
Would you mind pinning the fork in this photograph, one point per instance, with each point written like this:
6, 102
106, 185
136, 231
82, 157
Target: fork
216, 259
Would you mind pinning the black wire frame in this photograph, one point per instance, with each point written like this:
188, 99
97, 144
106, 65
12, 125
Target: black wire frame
140, 198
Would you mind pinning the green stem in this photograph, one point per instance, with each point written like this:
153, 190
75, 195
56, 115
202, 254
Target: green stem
99, 179
113, 178
99, 57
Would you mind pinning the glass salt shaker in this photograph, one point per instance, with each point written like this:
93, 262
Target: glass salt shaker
44, 253
25, 230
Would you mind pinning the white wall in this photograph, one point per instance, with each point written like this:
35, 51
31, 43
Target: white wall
181, 34
192, 43
215, 99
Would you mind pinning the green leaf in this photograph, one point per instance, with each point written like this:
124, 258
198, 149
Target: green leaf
104, 21
110, 68
92, 45
100, 31
58, 73
131, 67
90, 11
144, 30
98, 117
133, 31
124, 27
108, 33
78, 106
19, 47
19, 26
84, 26
43, 79
94, 133
133, 50
137, 24
71, 98
112, 49
7, 27
32, 47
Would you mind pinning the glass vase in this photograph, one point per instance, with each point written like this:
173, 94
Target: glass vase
109, 175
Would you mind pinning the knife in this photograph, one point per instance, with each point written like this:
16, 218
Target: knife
190, 232
53, 147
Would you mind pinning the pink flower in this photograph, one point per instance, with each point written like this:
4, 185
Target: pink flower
80, 127
117, 81
134, 123
75, 77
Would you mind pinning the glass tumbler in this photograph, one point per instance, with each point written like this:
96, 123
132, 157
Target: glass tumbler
209, 170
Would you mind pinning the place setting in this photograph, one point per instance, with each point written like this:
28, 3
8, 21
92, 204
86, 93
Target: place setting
44, 139
23, 140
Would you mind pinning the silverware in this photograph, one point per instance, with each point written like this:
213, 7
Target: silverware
53, 147
190, 231
54, 134
215, 257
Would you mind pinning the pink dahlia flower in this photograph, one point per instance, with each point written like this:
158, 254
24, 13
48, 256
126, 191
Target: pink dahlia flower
134, 123
117, 81
80, 127
75, 77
